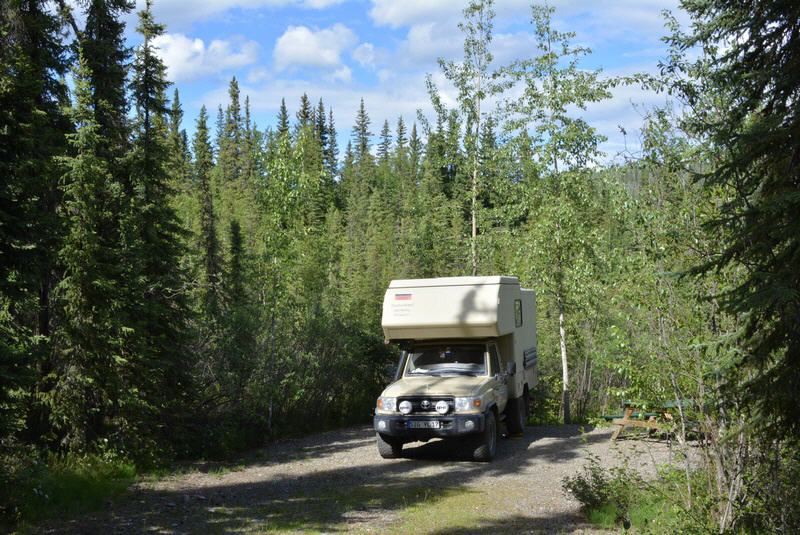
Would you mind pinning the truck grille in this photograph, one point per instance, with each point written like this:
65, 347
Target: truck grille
418, 403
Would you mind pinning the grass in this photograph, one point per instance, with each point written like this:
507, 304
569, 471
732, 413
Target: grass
412, 509
648, 509
67, 486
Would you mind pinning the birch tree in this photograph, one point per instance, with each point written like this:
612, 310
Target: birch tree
560, 253
475, 83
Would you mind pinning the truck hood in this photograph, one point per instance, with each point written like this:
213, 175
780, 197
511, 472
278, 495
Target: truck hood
459, 386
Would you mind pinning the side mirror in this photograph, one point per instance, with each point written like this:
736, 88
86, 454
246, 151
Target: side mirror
512, 368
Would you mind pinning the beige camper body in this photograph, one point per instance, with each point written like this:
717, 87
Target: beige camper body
457, 308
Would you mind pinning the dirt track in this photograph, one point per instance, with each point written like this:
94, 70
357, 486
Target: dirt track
336, 481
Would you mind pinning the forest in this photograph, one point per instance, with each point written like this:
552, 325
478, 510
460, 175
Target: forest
165, 297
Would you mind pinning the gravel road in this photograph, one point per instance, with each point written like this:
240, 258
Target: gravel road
335, 481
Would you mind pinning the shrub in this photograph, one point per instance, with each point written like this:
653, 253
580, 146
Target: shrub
601, 490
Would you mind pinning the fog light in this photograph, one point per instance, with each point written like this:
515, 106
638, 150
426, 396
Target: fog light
469, 424
382, 425
442, 407
405, 407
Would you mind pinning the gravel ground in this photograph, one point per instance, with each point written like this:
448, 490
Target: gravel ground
336, 481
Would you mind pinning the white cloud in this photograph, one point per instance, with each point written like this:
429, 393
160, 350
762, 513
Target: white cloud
184, 12
430, 41
342, 74
257, 74
396, 14
301, 46
365, 54
188, 59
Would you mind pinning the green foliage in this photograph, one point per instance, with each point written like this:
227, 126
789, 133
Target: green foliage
60, 486
617, 496
743, 90
597, 486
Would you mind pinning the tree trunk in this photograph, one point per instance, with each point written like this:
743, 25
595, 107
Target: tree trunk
564, 366
474, 241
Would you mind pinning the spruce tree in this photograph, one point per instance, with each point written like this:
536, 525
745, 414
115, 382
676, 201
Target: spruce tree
203, 166
385, 144
331, 148
305, 114
179, 152
249, 152
229, 158
108, 57
320, 126
283, 119
219, 137
159, 359
361, 134
33, 96
86, 397
415, 151
744, 91
401, 134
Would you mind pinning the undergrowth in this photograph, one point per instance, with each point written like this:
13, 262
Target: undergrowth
36, 489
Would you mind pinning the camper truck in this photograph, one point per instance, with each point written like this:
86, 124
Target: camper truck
467, 362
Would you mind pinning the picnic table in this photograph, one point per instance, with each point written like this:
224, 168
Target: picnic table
660, 419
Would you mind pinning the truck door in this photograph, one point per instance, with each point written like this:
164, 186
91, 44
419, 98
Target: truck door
500, 377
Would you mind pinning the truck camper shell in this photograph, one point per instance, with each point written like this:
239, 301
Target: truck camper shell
450, 307
460, 308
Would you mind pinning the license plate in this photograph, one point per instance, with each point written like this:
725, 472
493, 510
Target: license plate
423, 424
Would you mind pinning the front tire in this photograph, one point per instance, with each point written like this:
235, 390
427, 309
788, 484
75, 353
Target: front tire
486, 446
389, 448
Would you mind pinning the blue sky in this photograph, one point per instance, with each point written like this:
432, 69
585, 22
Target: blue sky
381, 50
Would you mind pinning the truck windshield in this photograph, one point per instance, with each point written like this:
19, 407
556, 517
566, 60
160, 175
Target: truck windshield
447, 360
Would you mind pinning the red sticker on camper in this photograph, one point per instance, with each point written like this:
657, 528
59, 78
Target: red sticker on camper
402, 297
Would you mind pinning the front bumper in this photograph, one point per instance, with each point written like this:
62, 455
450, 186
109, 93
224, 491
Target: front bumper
450, 425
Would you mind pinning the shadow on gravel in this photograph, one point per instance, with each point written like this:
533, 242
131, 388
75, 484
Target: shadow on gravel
335, 498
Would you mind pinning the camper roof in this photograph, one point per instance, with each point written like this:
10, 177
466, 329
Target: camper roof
452, 281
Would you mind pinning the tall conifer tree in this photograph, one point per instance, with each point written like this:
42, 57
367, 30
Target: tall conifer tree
361, 134
32, 128
88, 392
208, 233
283, 119
159, 308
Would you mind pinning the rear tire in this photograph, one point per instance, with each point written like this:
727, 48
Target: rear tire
515, 415
527, 400
486, 445
389, 448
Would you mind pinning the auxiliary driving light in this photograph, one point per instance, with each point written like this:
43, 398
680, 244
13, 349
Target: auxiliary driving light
382, 425
405, 407
469, 424
442, 407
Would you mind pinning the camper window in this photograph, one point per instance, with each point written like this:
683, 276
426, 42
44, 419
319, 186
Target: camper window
518, 312
447, 360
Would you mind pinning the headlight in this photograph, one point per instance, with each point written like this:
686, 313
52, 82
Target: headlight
405, 407
468, 404
387, 404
